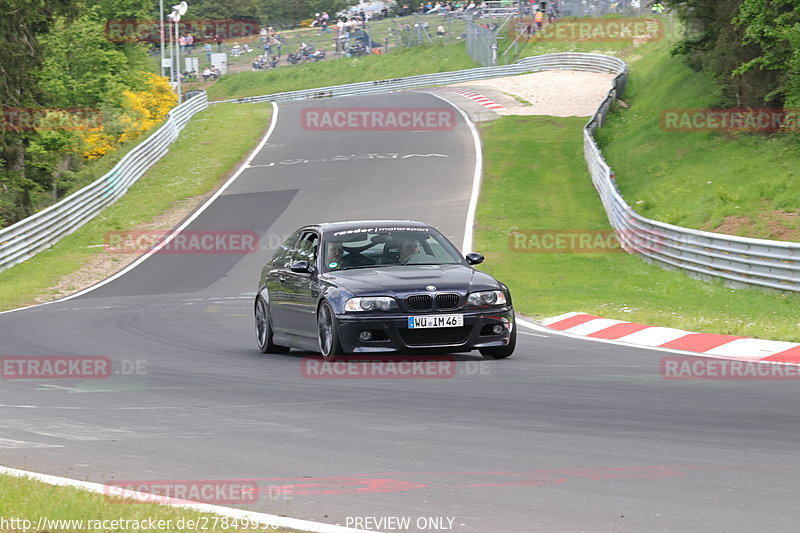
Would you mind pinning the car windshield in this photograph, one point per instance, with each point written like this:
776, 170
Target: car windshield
377, 246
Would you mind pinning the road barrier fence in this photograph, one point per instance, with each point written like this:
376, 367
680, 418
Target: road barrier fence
737, 260
40, 231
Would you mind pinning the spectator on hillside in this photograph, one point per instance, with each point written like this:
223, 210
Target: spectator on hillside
277, 42
218, 39
440, 31
206, 74
189, 43
538, 18
207, 50
182, 42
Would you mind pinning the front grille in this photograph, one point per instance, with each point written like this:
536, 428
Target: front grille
447, 300
420, 302
434, 336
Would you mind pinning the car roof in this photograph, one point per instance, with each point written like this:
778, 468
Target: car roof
327, 227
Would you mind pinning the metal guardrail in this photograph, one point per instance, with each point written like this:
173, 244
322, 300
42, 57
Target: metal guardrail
737, 260
561, 61
740, 260
40, 231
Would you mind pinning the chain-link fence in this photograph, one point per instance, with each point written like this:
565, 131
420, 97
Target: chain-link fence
481, 43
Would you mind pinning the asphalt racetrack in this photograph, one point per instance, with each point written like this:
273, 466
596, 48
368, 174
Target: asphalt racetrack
567, 435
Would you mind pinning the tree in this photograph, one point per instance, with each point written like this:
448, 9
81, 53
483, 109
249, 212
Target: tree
22, 22
712, 42
774, 26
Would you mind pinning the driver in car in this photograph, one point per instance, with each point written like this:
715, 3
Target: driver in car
333, 257
407, 249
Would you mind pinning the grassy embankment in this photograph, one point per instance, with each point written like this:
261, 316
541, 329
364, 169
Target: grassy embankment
536, 178
743, 183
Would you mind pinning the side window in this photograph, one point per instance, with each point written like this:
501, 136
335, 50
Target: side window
284, 253
306, 249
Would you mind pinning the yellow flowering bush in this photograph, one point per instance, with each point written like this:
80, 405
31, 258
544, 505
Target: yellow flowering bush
98, 143
141, 111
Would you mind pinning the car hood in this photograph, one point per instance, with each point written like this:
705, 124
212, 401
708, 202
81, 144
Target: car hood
391, 280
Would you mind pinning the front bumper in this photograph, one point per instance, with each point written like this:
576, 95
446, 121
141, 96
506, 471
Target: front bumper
390, 332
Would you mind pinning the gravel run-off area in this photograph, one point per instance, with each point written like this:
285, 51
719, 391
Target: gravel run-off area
558, 93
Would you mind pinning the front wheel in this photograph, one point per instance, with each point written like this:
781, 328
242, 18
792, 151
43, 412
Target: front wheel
501, 352
264, 330
328, 333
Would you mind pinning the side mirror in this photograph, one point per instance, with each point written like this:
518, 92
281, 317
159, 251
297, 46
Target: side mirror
301, 267
474, 258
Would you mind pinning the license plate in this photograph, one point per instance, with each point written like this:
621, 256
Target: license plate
435, 321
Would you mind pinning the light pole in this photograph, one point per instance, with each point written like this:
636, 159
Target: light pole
161, 31
175, 17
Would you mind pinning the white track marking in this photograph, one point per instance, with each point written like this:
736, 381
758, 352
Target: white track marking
592, 326
16, 444
466, 247
262, 518
532, 334
749, 348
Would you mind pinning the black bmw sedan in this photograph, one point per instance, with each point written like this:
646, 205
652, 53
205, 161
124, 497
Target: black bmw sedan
380, 286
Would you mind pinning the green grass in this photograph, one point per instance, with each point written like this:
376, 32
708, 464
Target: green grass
535, 178
697, 179
405, 62
26, 499
210, 146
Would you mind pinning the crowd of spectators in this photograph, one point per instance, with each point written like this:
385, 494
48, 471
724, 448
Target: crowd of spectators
211, 73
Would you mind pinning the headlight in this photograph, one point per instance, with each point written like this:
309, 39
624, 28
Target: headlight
369, 303
484, 298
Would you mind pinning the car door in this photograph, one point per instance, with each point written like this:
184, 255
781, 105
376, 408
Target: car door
275, 282
301, 298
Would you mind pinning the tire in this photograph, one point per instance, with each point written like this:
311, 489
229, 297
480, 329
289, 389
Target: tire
264, 330
328, 333
501, 352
